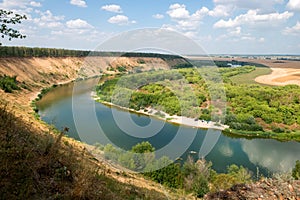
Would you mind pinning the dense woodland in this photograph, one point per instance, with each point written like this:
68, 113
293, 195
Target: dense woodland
252, 108
16, 51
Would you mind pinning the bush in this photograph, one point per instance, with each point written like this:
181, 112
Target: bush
8, 83
296, 170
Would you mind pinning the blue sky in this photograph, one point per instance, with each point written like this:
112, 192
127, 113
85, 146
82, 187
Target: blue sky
218, 26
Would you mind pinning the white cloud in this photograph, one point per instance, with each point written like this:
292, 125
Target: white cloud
47, 20
186, 21
158, 16
252, 17
48, 16
261, 39
221, 10
262, 6
237, 35
79, 3
177, 11
294, 5
236, 32
13, 4
78, 24
120, 20
35, 4
112, 8
295, 30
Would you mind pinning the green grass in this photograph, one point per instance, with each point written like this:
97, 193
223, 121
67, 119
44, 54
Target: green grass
293, 136
249, 78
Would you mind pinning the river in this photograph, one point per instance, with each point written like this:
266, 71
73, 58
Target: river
92, 122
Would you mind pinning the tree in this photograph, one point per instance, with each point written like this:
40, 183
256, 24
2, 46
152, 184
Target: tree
143, 147
196, 176
296, 170
7, 18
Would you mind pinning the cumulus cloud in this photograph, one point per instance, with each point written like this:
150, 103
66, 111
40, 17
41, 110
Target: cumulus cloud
79, 3
261, 39
295, 30
186, 21
252, 17
120, 20
158, 16
237, 35
12, 4
112, 8
48, 20
221, 10
262, 6
78, 24
177, 11
35, 4
294, 5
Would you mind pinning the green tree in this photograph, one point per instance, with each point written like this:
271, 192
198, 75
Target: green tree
196, 176
7, 18
143, 155
296, 170
143, 147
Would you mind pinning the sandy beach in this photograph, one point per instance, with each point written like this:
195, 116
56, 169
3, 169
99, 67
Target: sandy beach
181, 120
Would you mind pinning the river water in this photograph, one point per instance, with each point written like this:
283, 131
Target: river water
92, 122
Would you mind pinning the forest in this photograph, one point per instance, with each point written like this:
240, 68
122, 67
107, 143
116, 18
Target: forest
18, 51
251, 110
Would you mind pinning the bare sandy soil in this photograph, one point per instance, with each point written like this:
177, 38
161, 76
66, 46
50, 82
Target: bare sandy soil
281, 76
283, 73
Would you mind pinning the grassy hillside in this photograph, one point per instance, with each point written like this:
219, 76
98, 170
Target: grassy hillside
37, 165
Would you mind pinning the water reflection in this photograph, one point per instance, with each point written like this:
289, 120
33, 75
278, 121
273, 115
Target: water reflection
274, 155
225, 149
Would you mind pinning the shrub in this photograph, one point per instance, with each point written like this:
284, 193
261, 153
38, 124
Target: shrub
296, 170
8, 83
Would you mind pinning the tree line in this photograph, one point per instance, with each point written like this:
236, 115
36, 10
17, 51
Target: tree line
19, 51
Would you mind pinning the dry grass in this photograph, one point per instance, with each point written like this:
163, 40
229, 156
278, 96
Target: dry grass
45, 165
38, 162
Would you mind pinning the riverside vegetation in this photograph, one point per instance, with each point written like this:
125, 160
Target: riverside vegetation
44, 164
193, 177
253, 110
36, 164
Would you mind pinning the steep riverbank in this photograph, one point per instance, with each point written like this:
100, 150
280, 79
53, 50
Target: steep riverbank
55, 166
58, 166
